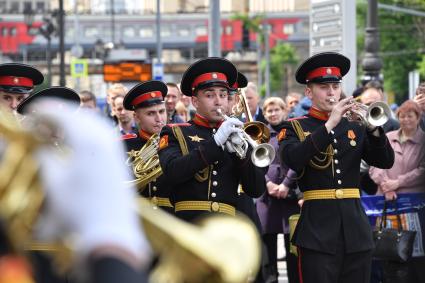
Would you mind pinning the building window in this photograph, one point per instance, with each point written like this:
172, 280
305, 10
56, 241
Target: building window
165, 31
228, 30
91, 32
201, 30
288, 29
14, 7
146, 32
40, 7
129, 32
2, 7
27, 6
183, 31
12, 31
4, 31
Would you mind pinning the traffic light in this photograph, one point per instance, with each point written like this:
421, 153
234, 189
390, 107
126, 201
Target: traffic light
245, 37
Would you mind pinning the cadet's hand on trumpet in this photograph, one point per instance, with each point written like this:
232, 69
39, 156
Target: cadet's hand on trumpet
338, 111
229, 126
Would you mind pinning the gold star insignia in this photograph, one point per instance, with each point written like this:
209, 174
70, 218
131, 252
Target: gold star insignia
15, 80
328, 71
196, 138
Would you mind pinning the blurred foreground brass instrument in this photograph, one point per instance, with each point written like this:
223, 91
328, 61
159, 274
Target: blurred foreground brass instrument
220, 249
262, 154
145, 163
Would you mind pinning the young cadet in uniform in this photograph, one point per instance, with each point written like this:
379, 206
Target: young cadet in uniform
63, 93
147, 101
16, 82
333, 233
205, 175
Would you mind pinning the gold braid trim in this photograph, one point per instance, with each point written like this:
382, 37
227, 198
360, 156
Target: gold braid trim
202, 175
328, 155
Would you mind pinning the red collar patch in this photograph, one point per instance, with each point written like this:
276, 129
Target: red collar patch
144, 135
203, 122
128, 136
318, 114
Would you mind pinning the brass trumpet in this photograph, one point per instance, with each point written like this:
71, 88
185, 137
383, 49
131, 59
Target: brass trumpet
376, 114
262, 154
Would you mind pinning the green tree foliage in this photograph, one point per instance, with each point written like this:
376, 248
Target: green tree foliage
402, 41
421, 67
282, 56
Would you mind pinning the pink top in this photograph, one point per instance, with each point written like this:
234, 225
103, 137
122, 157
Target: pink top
409, 164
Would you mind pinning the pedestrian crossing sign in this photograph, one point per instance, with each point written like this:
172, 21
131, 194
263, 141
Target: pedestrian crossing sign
79, 68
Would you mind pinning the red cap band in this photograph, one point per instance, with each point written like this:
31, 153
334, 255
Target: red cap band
208, 77
16, 81
146, 96
323, 71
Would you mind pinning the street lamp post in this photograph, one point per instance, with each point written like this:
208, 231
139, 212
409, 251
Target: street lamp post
372, 63
61, 24
46, 30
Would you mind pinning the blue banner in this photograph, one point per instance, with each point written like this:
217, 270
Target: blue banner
411, 202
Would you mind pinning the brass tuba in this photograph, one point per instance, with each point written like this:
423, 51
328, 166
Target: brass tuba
145, 163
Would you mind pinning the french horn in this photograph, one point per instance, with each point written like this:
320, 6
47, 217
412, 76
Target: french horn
145, 164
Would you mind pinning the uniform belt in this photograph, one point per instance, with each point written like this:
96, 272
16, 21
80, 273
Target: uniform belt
161, 201
205, 206
332, 194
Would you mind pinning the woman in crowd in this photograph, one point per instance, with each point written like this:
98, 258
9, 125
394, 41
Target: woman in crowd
279, 201
407, 175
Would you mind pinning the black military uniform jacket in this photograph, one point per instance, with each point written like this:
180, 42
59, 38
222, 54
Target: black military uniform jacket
158, 190
206, 172
321, 221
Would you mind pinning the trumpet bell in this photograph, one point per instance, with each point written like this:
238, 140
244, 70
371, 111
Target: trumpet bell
263, 155
258, 131
378, 114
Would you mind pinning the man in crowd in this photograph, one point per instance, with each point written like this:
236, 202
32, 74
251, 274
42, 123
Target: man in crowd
292, 99
16, 83
333, 234
171, 99
205, 175
124, 116
114, 90
147, 101
373, 92
253, 99
420, 99
88, 100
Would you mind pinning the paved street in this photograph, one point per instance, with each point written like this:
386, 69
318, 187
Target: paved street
281, 264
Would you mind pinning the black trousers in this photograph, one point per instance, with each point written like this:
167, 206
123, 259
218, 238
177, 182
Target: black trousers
342, 267
270, 240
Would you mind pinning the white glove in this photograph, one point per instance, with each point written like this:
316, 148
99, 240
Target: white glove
230, 126
85, 192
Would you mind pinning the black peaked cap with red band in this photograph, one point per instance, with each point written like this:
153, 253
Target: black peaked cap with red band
52, 92
145, 94
241, 82
323, 67
19, 78
211, 71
